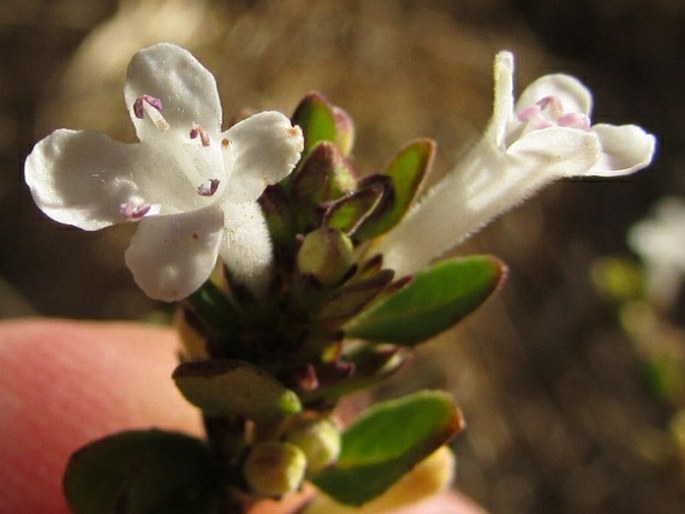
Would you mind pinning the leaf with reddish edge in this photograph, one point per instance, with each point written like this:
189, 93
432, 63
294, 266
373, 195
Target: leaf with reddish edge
432, 302
223, 387
406, 172
388, 441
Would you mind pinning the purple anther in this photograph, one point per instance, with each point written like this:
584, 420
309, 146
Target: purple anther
134, 211
208, 189
139, 107
196, 131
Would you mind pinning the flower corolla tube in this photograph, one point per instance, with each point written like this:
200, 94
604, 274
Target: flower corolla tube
545, 136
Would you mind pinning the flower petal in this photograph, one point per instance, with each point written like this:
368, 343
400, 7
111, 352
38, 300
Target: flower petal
503, 103
556, 152
574, 96
171, 256
625, 149
264, 149
186, 89
246, 247
83, 178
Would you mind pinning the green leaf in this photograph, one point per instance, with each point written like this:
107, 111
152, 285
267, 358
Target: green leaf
348, 212
349, 300
432, 302
388, 441
223, 387
316, 118
406, 171
143, 472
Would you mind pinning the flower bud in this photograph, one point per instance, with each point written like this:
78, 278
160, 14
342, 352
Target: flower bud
320, 442
273, 468
326, 254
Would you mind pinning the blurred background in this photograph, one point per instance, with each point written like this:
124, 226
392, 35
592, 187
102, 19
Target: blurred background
571, 379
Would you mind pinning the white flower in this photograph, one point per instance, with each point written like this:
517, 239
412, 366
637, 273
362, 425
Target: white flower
191, 188
546, 136
660, 242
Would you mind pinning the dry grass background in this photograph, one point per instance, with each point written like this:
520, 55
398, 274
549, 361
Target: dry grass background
559, 418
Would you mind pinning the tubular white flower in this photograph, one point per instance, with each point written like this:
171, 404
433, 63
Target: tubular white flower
660, 242
546, 136
191, 186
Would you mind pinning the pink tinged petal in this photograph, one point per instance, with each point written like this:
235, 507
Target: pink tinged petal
246, 247
171, 256
185, 88
571, 94
83, 178
263, 149
625, 149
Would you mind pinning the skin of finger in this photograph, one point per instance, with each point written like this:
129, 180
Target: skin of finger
64, 384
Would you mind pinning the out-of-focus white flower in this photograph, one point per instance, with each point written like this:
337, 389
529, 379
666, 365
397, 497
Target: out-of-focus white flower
192, 188
545, 136
660, 242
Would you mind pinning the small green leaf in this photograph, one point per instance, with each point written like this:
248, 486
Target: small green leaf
143, 472
352, 298
388, 441
432, 302
316, 118
223, 387
406, 171
347, 213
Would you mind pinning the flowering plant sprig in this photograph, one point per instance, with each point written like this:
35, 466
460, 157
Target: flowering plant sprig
299, 280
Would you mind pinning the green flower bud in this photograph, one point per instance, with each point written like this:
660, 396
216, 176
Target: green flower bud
320, 442
273, 468
326, 254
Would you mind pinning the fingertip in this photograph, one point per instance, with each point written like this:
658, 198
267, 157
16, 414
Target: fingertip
67, 383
